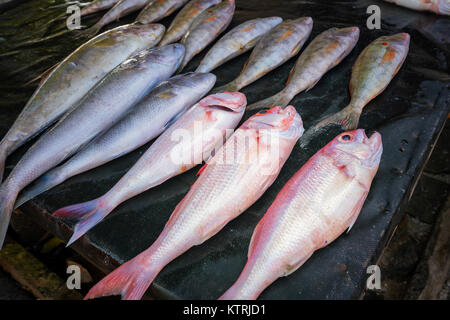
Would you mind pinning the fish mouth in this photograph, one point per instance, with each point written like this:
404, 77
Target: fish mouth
230, 101
374, 145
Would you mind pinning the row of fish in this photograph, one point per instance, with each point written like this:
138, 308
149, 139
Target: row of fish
129, 97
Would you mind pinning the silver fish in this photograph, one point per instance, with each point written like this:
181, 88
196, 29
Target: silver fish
275, 48
237, 41
148, 119
103, 106
206, 28
158, 9
73, 78
323, 53
183, 20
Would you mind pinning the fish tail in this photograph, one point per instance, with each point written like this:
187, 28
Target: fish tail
229, 87
130, 280
348, 118
44, 183
90, 32
7, 199
86, 215
280, 99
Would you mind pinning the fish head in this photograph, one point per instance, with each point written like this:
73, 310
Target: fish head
170, 56
149, 33
224, 107
346, 34
356, 147
285, 123
398, 42
196, 81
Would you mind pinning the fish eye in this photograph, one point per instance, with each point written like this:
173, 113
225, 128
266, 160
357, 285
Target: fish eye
346, 137
262, 112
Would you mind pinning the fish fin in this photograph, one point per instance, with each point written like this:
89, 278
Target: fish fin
90, 32
86, 214
229, 87
43, 76
279, 99
356, 211
201, 169
172, 120
444, 7
7, 199
42, 184
129, 280
348, 118
255, 235
297, 264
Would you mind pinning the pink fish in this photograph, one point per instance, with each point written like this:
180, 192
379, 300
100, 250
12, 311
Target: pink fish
436, 6
316, 205
230, 182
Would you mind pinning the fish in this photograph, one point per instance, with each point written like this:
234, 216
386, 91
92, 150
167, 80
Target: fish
372, 72
231, 181
207, 123
436, 6
103, 106
120, 9
319, 202
96, 6
158, 9
237, 41
324, 52
72, 78
275, 48
148, 119
183, 20
205, 28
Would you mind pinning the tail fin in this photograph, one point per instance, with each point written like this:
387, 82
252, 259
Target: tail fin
90, 32
86, 215
280, 99
348, 118
7, 199
229, 87
44, 183
130, 280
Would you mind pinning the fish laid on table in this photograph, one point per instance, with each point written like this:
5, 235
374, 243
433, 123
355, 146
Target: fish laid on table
181, 147
73, 78
239, 40
323, 53
232, 181
275, 48
183, 20
436, 6
148, 119
316, 205
374, 68
207, 27
158, 9
120, 9
103, 106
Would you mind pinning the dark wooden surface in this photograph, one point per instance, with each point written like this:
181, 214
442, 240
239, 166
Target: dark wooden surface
409, 114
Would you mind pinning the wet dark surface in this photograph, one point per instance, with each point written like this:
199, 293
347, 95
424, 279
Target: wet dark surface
409, 115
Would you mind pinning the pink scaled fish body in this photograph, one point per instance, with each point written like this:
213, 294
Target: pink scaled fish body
316, 205
237, 175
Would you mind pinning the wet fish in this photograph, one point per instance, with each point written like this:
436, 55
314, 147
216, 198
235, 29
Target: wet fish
121, 9
275, 48
205, 124
323, 53
436, 6
232, 181
96, 6
148, 119
158, 9
316, 205
184, 19
239, 40
374, 68
205, 28
72, 79
104, 105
